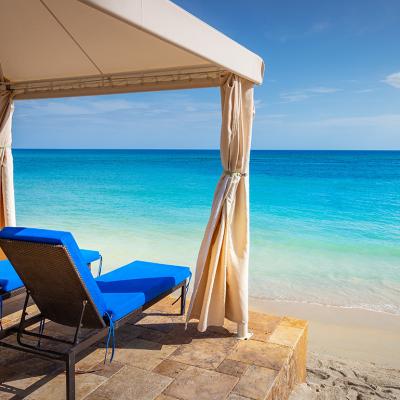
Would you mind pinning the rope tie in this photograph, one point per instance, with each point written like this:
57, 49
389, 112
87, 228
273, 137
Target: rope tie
100, 266
235, 174
188, 284
110, 336
187, 289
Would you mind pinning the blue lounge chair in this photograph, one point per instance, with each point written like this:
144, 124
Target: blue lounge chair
55, 275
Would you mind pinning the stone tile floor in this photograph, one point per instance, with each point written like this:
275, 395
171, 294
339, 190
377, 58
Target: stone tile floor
156, 358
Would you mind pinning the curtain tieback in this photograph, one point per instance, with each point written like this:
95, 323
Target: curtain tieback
232, 173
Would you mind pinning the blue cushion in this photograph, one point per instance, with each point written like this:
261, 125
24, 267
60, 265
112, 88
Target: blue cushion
90, 255
118, 292
64, 239
130, 287
9, 279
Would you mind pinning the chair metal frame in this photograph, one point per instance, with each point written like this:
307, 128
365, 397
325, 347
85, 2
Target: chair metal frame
78, 345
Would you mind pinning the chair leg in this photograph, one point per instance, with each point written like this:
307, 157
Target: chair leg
70, 376
183, 299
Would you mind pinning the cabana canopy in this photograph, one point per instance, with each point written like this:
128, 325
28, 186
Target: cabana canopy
59, 48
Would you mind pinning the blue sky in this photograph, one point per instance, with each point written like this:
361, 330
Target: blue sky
332, 82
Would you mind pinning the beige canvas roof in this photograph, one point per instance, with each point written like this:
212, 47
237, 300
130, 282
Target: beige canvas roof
51, 48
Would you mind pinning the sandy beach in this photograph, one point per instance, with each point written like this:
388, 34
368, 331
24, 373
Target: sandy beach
353, 354
334, 378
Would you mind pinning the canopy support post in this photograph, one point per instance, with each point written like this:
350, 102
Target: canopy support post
7, 202
243, 331
221, 281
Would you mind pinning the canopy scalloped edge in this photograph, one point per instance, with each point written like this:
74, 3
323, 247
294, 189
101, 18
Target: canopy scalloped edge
118, 83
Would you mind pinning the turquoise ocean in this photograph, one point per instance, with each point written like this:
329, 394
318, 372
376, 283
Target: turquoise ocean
325, 225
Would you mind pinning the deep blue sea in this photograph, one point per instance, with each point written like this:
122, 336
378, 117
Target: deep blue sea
325, 225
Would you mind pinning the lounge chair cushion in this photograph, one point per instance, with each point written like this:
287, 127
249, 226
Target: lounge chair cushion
130, 287
66, 240
9, 279
90, 255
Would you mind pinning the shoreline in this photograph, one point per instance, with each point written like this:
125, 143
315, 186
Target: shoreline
348, 333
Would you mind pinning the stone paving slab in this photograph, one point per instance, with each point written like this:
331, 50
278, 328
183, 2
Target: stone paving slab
206, 353
157, 359
201, 384
131, 383
232, 367
55, 389
170, 368
256, 383
268, 355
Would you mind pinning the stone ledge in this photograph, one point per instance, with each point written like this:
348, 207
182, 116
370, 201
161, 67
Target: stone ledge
158, 359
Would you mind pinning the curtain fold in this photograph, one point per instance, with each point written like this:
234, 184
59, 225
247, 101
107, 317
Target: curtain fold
7, 201
221, 278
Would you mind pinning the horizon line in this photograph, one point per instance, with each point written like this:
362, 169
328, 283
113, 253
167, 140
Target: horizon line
188, 149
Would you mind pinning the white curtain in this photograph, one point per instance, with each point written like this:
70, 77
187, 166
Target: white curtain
7, 202
221, 278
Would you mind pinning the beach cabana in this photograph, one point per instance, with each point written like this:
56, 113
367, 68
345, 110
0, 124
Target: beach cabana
90, 47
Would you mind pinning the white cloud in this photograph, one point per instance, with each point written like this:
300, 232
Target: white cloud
364, 91
77, 107
292, 97
121, 111
314, 29
379, 131
381, 121
393, 80
319, 27
323, 90
115, 105
262, 117
300, 95
52, 107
